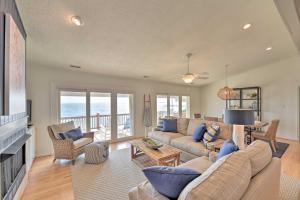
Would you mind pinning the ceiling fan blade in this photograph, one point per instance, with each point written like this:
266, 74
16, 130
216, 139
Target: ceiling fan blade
201, 76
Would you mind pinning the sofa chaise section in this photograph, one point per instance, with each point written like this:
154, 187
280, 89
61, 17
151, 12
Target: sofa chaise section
190, 148
145, 190
241, 175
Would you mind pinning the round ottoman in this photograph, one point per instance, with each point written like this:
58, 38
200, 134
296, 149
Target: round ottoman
96, 152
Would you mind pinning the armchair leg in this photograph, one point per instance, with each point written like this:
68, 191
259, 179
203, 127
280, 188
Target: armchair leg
54, 160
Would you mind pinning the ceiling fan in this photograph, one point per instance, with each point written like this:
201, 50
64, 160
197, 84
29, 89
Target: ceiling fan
190, 77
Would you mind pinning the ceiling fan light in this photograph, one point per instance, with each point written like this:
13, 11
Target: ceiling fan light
226, 93
188, 78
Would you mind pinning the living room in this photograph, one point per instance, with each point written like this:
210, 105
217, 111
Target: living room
150, 99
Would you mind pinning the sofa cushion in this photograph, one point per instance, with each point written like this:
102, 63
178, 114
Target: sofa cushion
186, 143
182, 125
61, 128
260, 155
200, 164
169, 125
82, 142
199, 132
164, 137
226, 179
170, 181
193, 124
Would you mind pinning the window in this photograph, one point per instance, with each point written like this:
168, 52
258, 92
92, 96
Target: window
109, 115
125, 115
172, 105
185, 107
161, 106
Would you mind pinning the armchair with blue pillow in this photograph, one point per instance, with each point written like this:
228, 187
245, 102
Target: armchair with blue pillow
68, 141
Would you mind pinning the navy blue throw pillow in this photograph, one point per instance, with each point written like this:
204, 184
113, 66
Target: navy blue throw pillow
170, 181
199, 132
73, 134
228, 147
169, 125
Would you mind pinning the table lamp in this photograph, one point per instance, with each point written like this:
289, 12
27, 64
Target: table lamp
239, 118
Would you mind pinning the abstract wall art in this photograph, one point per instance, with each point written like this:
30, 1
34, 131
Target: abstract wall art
14, 69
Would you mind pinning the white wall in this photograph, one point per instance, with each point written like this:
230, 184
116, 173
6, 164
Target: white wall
280, 84
43, 81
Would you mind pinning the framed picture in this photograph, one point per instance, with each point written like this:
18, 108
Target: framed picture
14, 68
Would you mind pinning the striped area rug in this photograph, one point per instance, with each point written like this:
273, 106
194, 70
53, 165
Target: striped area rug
289, 188
110, 180
113, 179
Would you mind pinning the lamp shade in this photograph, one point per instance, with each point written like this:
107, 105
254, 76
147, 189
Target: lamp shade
239, 117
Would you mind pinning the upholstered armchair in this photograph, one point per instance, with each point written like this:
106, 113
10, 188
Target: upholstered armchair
67, 149
269, 135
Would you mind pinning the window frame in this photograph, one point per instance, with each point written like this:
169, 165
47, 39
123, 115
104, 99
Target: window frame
168, 103
113, 95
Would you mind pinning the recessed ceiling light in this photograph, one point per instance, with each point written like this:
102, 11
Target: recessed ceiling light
246, 26
268, 48
77, 21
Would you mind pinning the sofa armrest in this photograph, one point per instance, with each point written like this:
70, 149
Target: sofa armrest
89, 135
213, 156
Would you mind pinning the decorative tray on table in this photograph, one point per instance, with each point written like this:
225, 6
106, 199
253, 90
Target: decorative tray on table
152, 144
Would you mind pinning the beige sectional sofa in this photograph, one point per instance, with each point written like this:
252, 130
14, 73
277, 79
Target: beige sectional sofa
248, 174
183, 139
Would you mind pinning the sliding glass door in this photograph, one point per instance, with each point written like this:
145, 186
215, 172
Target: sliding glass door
100, 110
73, 108
125, 115
108, 114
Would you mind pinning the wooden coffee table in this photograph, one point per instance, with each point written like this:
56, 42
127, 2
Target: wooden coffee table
165, 156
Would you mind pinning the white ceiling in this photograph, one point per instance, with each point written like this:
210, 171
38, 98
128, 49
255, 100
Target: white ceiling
132, 38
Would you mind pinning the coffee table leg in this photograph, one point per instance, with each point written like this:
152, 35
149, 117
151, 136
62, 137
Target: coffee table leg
178, 159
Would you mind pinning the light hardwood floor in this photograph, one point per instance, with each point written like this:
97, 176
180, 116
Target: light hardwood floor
53, 181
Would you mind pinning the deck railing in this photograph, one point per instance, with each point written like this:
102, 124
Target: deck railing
97, 121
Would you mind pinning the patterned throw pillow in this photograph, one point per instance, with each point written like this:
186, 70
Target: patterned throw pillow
212, 133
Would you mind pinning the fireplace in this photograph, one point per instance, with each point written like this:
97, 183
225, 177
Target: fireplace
13, 139
13, 169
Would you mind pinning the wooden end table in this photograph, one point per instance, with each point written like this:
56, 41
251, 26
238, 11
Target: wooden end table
164, 156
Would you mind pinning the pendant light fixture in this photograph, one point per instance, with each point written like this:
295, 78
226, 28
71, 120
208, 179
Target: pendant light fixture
226, 92
188, 77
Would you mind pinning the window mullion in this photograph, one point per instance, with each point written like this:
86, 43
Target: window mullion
168, 105
180, 106
88, 111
